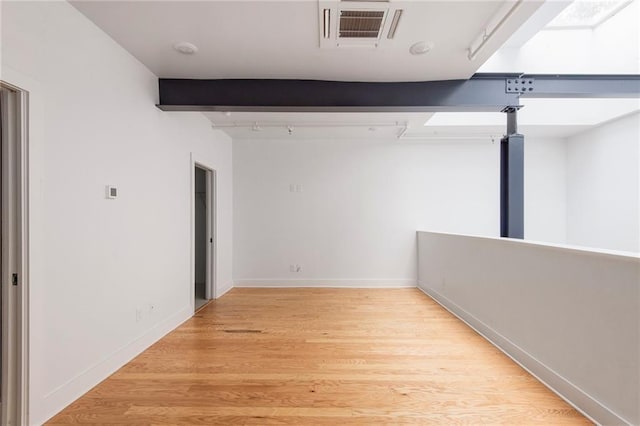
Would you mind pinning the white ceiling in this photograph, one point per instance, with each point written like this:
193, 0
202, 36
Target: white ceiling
280, 39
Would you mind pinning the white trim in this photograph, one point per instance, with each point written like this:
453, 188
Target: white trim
212, 229
212, 185
192, 226
617, 254
576, 397
23, 339
15, 259
34, 136
209, 251
72, 389
329, 283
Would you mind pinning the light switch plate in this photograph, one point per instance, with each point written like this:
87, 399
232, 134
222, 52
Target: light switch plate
112, 192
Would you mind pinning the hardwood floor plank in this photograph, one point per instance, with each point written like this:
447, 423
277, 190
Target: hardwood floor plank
321, 356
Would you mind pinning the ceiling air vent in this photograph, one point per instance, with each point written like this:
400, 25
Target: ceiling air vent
360, 24
356, 23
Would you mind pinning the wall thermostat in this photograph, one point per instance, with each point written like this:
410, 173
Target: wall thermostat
112, 192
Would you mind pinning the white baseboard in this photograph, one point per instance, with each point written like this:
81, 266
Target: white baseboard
580, 400
288, 283
224, 289
56, 400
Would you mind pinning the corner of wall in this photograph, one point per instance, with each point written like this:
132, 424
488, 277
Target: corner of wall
56, 400
572, 394
224, 289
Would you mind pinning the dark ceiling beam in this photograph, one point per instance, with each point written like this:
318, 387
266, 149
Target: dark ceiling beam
333, 96
482, 92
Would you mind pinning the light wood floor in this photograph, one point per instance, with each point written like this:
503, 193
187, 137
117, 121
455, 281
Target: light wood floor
321, 356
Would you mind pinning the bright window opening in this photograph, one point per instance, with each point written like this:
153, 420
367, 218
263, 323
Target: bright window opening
587, 13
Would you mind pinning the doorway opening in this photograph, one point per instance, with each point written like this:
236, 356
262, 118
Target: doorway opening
204, 235
13, 254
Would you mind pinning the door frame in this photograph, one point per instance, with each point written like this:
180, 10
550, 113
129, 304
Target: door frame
15, 259
212, 230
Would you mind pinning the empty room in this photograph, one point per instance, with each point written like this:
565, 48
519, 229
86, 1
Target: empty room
315, 212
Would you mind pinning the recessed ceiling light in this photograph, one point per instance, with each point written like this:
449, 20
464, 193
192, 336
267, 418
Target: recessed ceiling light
421, 47
186, 48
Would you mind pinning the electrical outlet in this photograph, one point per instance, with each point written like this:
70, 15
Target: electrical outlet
292, 268
138, 314
152, 308
298, 268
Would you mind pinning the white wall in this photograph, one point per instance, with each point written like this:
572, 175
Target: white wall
545, 190
570, 316
354, 222
603, 186
94, 261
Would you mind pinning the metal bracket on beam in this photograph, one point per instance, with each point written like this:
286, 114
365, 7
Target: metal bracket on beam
512, 118
573, 86
511, 108
519, 85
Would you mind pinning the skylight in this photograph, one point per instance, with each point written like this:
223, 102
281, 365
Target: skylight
587, 13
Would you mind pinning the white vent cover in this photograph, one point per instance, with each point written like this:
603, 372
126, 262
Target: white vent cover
356, 23
360, 24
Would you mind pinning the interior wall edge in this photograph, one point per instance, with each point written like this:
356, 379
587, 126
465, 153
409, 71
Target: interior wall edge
328, 283
576, 397
56, 400
224, 289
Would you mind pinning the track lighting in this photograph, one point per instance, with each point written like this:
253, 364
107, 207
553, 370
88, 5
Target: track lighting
488, 32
